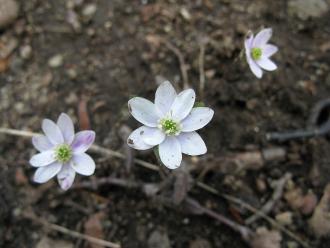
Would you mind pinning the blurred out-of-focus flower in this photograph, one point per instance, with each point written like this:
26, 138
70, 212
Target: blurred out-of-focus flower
62, 152
258, 52
171, 122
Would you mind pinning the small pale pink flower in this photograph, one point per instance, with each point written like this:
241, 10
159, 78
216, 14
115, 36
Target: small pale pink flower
170, 123
62, 152
258, 52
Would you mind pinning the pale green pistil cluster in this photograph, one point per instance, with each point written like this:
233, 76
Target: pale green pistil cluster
256, 53
63, 153
170, 127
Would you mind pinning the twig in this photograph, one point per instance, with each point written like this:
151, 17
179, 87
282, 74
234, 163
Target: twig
111, 153
64, 230
271, 202
313, 128
180, 57
254, 210
201, 69
245, 232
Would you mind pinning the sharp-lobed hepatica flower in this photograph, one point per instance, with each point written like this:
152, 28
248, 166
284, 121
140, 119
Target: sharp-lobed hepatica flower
258, 52
62, 152
171, 122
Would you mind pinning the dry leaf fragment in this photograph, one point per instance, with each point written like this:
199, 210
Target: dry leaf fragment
93, 227
320, 221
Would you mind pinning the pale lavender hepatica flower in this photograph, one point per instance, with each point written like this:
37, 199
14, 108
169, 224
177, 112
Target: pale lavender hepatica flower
258, 52
62, 152
171, 122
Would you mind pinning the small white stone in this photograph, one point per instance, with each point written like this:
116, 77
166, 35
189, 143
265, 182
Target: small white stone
89, 10
55, 61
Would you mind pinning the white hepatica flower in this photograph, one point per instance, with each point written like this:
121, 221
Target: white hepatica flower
258, 52
62, 152
171, 122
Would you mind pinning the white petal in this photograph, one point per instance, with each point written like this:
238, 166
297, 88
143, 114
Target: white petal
165, 96
83, 164
198, 118
43, 158
262, 37
65, 124
43, 174
144, 111
192, 144
183, 104
255, 68
170, 152
269, 50
52, 131
152, 136
66, 176
266, 64
41, 143
135, 139
248, 44
83, 141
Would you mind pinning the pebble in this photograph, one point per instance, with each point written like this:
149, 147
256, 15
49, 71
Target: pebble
25, 51
8, 12
159, 239
305, 9
89, 10
56, 61
284, 218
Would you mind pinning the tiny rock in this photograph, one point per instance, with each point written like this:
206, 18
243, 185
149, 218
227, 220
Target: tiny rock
8, 12
55, 61
305, 9
159, 239
284, 218
89, 10
25, 51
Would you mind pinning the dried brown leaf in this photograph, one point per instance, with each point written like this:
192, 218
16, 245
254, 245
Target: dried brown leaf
93, 227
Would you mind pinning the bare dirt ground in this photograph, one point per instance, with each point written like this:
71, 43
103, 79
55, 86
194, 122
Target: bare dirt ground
87, 58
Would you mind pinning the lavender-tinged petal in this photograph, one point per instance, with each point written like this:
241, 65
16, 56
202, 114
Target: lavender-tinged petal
248, 44
192, 144
43, 174
65, 124
66, 176
269, 50
153, 136
262, 37
52, 131
144, 111
41, 143
43, 158
165, 96
170, 152
83, 164
255, 68
266, 64
183, 104
135, 139
197, 119
83, 141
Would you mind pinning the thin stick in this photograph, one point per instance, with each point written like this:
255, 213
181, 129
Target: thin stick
201, 70
278, 192
253, 210
69, 232
180, 57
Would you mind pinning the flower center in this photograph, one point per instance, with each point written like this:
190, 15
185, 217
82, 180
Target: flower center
256, 53
170, 127
63, 153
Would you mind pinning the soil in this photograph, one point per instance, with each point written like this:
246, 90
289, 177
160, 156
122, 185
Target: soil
118, 52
